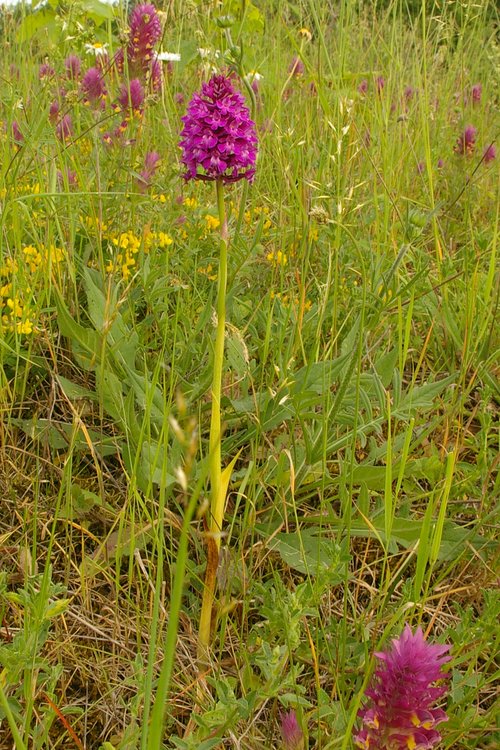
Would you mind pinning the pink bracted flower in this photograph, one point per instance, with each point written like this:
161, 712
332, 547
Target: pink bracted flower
400, 713
131, 95
73, 66
490, 153
219, 136
466, 142
293, 737
145, 32
93, 87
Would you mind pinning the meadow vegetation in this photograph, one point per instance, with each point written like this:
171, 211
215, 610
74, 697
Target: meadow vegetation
360, 398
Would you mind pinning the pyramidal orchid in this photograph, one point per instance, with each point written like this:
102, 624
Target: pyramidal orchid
219, 144
218, 139
400, 713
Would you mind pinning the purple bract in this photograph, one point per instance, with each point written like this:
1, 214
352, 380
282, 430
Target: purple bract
293, 737
466, 142
145, 31
218, 135
400, 713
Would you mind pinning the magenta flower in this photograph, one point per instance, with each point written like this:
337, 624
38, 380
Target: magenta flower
68, 176
490, 153
73, 66
466, 142
380, 84
363, 87
93, 86
400, 713
218, 135
132, 96
296, 67
45, 71
16, 133
145, 32
293, 737
64, 128
54, 111
150, 165
476, 93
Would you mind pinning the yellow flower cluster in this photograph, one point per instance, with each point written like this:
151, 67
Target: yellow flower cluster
208, 271
287, 299
256, 213
125, 247
277, 258
35, 257
15, 285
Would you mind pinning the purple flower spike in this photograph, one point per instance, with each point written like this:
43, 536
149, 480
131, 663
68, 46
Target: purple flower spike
150, 165
93, 86
218, 135
363, 87
297, 67
400, 714
64, 128
476, 93
72, 65
132, 95
380, 84
466, 142
16, 133
490, 153
45, 71
145, 31
293, 737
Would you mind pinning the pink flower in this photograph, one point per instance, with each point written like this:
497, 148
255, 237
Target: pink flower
476, 93
72, 66
64, 128
45, 71
296, 67
466, 142
363, 87
54, 110
400, 712
218, 135
132, 96
16, 133
380, 84
93, 86
150, 165
68, 176
293, 737
145, 32
490, 153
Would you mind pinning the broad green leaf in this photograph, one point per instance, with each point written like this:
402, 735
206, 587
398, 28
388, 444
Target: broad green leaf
86, 342
309, 551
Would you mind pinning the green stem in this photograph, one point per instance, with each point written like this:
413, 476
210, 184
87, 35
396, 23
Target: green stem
217, 501
217, 492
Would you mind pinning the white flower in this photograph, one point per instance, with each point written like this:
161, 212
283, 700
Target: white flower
252, 76
97, 49
168, 57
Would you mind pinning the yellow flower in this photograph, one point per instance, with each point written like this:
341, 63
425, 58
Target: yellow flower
277, 258
164, 240
212, 222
